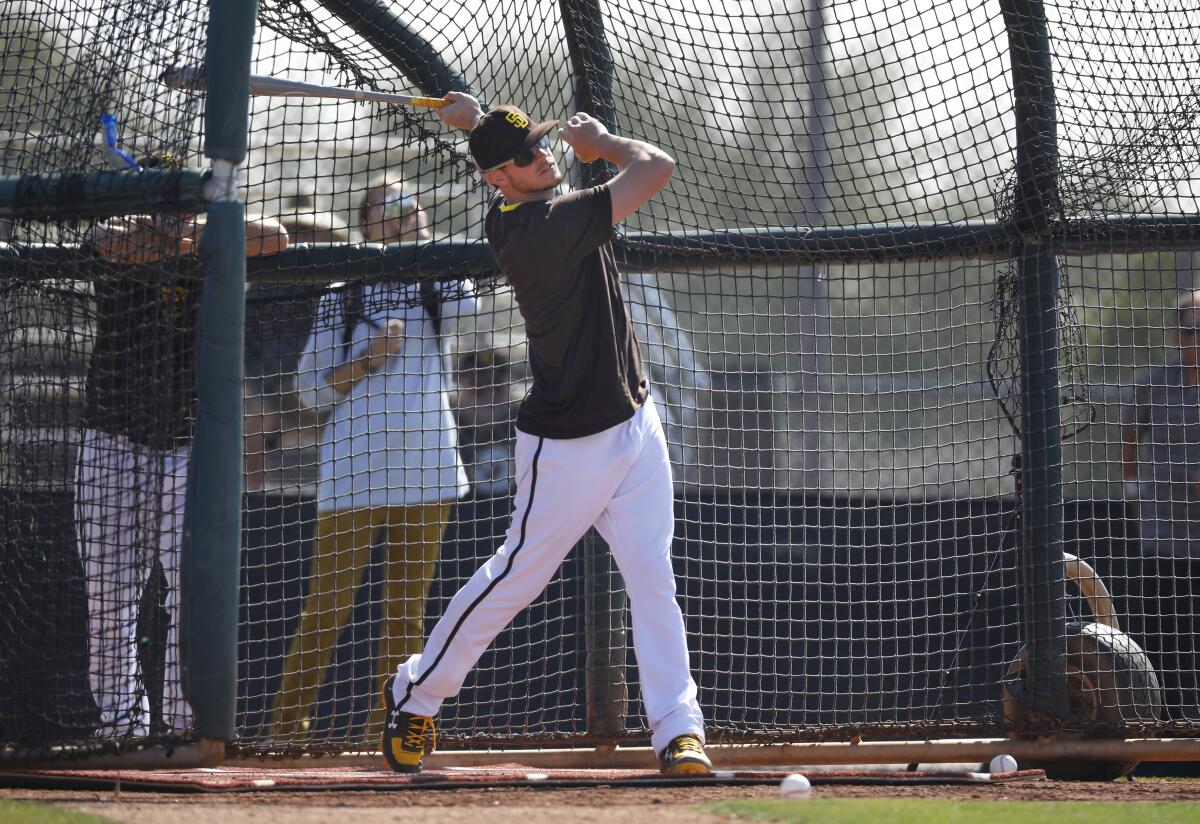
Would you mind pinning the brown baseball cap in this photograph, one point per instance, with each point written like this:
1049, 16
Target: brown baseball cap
503, 132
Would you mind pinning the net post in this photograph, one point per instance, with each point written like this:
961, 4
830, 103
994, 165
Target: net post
1044, 693
604, 619
604, 607
212, 523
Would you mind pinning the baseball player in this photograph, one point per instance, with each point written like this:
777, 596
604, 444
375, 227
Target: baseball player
590, 448
131, 474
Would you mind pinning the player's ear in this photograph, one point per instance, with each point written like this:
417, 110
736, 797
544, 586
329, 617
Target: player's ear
496, 177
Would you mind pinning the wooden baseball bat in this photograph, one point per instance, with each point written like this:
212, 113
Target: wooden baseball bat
192, 77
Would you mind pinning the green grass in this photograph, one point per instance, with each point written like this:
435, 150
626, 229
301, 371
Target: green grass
21, 812
937, 811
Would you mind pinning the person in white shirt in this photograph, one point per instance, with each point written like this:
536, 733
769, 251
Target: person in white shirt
390, 467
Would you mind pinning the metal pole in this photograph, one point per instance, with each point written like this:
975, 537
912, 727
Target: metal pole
209, 570
605, 600
604, 603
1044, 696
377, 22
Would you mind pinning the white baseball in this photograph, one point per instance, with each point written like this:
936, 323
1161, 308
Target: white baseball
1003, 764
795, 786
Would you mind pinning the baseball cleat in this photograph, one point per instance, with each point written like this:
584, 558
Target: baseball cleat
685, 756
406, 737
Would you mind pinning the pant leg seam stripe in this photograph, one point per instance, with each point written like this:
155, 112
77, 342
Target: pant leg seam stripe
479, 599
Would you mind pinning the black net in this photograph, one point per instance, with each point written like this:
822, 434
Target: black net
828, 297
97, 320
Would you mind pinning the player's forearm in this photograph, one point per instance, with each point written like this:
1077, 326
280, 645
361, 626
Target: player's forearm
625, 152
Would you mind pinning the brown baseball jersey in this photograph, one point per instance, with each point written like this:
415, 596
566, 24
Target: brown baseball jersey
558, 256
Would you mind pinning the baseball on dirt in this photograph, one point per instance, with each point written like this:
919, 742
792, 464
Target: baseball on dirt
1003, 764
795, 786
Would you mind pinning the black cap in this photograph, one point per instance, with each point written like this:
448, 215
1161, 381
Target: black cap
503, 132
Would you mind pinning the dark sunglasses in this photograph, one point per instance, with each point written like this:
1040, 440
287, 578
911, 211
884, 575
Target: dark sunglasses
525, 155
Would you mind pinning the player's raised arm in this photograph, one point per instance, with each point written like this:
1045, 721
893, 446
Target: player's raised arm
645, 169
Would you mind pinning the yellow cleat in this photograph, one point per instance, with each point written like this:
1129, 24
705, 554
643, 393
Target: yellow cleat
406, 737
685, 756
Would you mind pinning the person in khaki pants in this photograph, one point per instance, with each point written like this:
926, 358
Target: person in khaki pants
390, 467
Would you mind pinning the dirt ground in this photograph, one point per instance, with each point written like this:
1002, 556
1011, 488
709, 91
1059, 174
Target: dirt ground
600, 805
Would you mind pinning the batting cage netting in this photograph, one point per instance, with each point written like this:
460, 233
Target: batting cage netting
916, 309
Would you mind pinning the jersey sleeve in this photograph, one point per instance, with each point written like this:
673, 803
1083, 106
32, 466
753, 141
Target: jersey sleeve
583, 220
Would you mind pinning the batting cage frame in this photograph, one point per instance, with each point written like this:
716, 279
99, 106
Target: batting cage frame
1078, 698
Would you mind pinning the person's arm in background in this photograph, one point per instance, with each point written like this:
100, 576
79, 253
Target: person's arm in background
322, 379
262, 422
140, 239
386, 339
265, 236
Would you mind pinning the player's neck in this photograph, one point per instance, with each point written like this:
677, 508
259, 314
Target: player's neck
512, 195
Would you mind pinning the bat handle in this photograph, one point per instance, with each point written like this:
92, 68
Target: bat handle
430, 102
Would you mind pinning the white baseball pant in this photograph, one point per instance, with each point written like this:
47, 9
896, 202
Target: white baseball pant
618, 480
129, 502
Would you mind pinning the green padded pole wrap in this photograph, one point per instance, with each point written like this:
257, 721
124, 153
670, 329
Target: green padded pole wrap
212, 523
77, 195
227, 66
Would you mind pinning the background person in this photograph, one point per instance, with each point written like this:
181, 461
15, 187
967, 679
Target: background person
485, 406
390, 467
1161, 468
131, 475
278, 320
